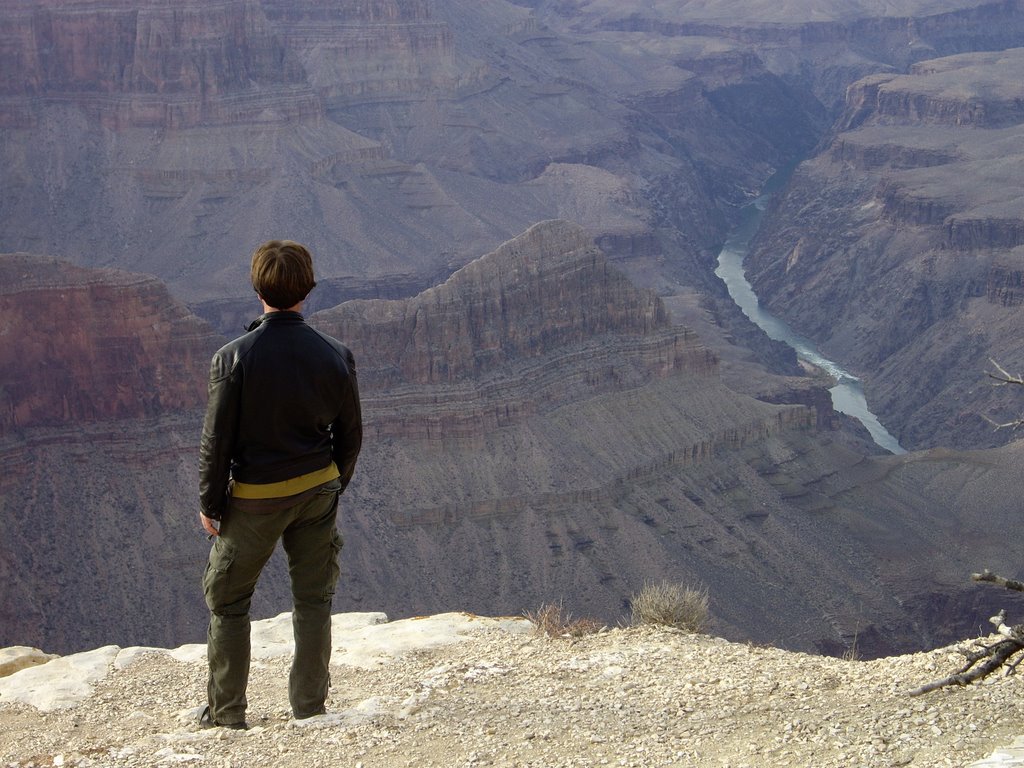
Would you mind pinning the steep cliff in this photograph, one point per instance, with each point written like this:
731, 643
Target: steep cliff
979, 89
364, 52
401, 138
545, 425
537, 429
544, 291
85, 346
537, 380
897, 246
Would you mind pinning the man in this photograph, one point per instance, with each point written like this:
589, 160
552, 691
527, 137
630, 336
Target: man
282, 432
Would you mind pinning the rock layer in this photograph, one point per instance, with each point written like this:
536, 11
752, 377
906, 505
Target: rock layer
150, 64
541, 320
590, 447
521, 467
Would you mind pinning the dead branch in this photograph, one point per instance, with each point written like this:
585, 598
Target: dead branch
1001, 376
969, 673
999, 581
983, 660
1003, 424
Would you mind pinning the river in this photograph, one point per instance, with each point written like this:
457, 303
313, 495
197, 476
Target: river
847, 394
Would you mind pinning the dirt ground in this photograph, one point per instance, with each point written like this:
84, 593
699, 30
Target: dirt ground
623, 697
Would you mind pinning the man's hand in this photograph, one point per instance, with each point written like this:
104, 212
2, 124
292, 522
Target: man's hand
209, 524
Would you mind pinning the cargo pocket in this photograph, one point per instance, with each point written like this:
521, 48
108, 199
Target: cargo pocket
331, 486
216, 579
334, 570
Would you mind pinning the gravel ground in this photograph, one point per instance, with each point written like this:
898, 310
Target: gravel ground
624, 697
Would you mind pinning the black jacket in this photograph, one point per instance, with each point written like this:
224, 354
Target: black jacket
283, 402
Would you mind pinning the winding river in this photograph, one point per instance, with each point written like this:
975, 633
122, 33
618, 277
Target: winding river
847, 394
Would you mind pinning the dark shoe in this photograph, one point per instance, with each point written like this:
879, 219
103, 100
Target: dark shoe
206, 721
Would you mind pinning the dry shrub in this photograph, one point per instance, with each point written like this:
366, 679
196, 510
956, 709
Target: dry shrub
551, 620
672, 605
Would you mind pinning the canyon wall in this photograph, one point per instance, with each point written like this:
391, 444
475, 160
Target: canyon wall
102, 382
897, 246
149, 65
402, 139
587, 390
85, 346
581, 445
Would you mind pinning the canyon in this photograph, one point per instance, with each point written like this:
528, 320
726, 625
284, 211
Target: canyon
907, 227
537, 427
514, 210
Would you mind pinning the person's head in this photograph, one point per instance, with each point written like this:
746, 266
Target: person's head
282, 273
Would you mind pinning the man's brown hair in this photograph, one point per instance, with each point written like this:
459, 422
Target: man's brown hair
282, 273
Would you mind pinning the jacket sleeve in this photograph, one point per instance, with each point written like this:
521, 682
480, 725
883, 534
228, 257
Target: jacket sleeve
347, 429
220, 430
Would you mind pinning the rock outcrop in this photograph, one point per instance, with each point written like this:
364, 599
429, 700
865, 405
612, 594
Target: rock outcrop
359, 53
102, 381
458, 689
957, 90
534, 436
537, 430
19, 657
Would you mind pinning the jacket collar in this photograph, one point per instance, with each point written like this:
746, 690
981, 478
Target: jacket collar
281, 316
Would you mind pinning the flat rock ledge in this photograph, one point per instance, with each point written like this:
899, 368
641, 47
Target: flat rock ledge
494, 693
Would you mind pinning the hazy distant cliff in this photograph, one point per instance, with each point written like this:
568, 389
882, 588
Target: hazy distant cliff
102, 378
149, 64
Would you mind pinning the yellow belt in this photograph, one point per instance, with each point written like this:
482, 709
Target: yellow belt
283, 488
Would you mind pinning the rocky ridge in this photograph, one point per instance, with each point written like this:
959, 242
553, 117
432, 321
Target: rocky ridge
149, 65
493, 693
102, 382
557, 296
543, 319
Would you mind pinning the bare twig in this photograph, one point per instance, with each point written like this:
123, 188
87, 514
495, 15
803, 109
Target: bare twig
1002, 377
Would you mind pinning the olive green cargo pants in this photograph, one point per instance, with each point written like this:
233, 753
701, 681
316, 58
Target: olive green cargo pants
305, 524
